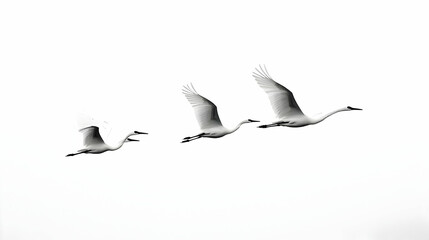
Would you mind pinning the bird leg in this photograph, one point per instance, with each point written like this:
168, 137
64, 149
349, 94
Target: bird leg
188, 139
73, 154
198, 135
277, 124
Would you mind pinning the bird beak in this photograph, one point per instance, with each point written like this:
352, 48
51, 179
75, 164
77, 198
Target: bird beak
352, 108
250, 120
132, 140
137, 132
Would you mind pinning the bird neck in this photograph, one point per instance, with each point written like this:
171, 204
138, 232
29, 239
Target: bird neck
121, 142
322, 117
238, 126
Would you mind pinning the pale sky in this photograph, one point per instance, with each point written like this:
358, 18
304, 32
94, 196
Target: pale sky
357, 175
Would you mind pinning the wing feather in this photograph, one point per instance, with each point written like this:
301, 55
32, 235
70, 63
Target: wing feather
282, 100
205, 111
91, 136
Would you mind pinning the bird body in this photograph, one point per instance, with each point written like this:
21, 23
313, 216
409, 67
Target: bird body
207, 116
284, 104
94, 143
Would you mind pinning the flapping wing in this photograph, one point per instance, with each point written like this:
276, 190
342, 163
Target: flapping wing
91, 136
205, 110
282, 100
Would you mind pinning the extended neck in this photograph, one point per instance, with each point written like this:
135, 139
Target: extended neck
120, 143
239, 125
322, 117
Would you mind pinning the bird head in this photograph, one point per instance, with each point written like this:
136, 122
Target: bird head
131, 140
352, 108
137, 133
250, 120
134, 133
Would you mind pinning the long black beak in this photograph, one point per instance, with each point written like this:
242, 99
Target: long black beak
132, 140
137, 132
250, 120
352, 108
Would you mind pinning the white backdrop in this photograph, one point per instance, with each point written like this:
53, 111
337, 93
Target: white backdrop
356, 175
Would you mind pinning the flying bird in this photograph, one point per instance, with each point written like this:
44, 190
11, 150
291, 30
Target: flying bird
207, 116
94, 143
284, 104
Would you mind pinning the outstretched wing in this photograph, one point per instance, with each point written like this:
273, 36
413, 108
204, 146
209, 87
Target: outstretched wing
205, 110
91, 136
282, 100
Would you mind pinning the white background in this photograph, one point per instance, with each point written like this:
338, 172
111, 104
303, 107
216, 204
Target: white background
356, 175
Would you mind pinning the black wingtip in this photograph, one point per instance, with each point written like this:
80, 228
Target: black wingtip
262, 126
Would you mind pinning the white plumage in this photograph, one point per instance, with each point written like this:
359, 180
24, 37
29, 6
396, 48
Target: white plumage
95, 144
207, 116
284, 104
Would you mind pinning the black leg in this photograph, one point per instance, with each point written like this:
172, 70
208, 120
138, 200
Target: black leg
73, 154
188, 139
277, 124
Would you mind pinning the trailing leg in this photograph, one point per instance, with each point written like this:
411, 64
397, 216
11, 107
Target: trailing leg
80, 152
277, 124
188, 139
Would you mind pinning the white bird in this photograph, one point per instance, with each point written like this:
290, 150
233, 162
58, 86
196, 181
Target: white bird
207, 116
284, 104
94, 143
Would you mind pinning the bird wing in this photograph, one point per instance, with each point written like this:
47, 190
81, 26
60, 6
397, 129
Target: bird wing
282, 100
91, 136
205, 110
